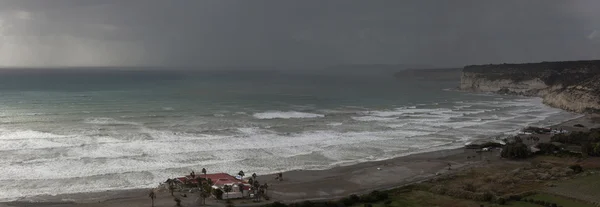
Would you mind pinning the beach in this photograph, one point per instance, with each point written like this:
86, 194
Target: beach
326, 184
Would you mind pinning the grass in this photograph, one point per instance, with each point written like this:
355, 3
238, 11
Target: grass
574, 190
521, 204
417, 198
559, 200
583, 188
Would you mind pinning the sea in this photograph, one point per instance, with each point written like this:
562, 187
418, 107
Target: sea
89, 130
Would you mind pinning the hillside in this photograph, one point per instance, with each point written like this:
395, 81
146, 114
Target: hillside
570, 85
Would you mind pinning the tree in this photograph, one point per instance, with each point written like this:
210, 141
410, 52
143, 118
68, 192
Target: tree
199, 182
586, 149
218, 193
172, 189
241, 174
205, 189
516, 150
265, 186
227, 189
204, 171
256, 187
152, 196
241, 188
596, 149
171, 183
251, 181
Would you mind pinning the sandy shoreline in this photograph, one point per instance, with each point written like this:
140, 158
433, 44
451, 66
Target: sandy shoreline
312, 184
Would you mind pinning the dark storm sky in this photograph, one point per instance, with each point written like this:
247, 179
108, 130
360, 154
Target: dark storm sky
302, 32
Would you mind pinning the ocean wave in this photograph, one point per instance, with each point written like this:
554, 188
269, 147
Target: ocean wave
108, 159
286, 115
373, 118
335, 124
27, 134
108, 121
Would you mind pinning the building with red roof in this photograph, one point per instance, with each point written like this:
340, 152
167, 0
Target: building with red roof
219, 180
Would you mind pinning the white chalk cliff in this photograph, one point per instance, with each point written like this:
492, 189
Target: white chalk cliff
570, 85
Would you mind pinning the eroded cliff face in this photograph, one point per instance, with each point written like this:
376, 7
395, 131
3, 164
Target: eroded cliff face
571, 85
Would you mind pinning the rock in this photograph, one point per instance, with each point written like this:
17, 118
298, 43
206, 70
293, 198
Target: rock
543, 176
515, 171
545, 165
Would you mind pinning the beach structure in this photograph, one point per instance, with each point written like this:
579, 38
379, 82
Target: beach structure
239, 187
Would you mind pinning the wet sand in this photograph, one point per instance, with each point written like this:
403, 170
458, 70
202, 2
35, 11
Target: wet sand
313, 184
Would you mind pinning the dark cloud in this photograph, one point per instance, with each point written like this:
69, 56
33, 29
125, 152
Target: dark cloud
302, 32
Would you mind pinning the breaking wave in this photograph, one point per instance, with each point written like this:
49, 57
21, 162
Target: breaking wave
286, 115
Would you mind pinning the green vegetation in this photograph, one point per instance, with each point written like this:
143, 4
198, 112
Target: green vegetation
484, 145
551, 200
218, 193
532, 183
588, 141
552, 73
515, 150
585, 187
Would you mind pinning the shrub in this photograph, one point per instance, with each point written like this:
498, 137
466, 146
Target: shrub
576, 168
547, 148
347, 201
486, 196
276, 204
438, 189
229, 203
516, 150
379, 195
573, 138
367, 199
469, 187
305, 204
354, 198
501, 201
514, 197
218, 194
368, 205
387, 202
177, 201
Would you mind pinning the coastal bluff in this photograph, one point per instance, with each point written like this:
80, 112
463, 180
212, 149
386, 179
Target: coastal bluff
569, 85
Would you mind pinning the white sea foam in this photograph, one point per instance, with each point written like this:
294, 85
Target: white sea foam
335, 124
134, 155
373, 118
286, 115
27, 134
108, 121
252, 130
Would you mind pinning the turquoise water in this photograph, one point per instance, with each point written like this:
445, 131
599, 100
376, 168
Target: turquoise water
91, 130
